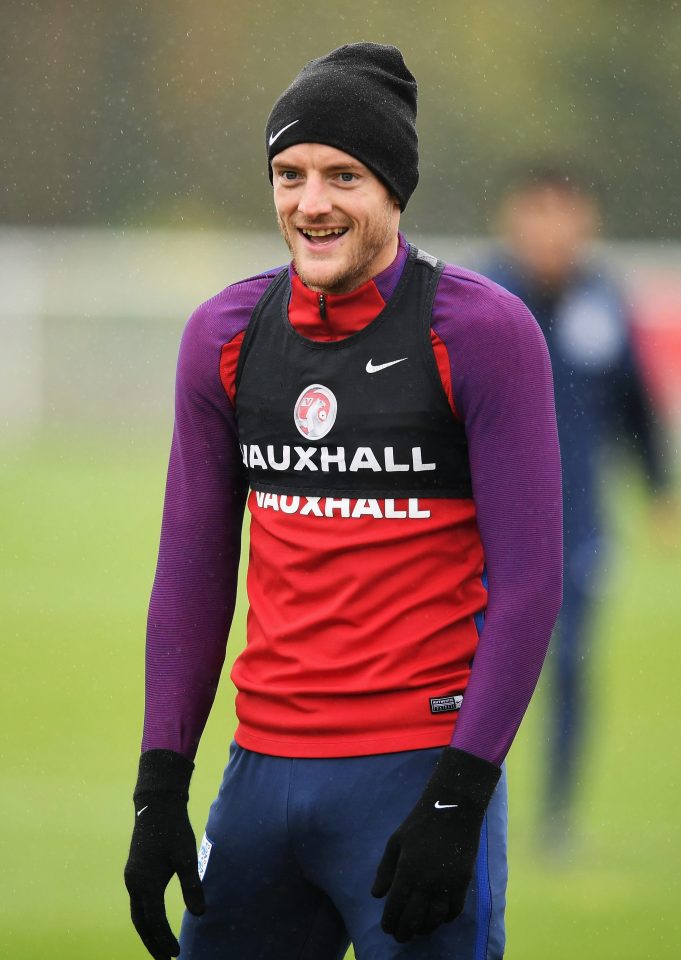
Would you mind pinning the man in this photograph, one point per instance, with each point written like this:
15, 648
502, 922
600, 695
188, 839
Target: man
548, 219
394, 420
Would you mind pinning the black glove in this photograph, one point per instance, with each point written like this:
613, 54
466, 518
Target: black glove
428, 862
163, 844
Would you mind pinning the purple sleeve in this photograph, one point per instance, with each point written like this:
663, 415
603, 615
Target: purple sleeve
194, 592
503, 389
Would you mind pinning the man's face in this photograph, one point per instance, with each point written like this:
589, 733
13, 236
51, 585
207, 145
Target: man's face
338, 219
547, 229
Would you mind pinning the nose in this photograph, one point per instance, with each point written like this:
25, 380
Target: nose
315, 200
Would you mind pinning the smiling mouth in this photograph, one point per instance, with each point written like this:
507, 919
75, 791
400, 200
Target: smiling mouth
322, 235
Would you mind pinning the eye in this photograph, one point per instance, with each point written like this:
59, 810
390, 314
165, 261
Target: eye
288, 175
347, 177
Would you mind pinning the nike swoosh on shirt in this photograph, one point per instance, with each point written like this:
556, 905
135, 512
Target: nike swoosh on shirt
275, 136
444, 806
371, 368
142, 810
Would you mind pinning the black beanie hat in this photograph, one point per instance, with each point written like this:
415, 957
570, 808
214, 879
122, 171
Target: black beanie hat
361, 99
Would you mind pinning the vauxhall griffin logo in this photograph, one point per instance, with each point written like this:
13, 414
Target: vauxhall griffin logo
315, 411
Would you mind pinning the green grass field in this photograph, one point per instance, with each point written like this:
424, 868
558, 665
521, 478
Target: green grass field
78, 536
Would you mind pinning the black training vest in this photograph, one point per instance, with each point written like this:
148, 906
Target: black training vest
365, 416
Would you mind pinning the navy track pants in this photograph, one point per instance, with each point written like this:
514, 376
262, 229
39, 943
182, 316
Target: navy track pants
290, 854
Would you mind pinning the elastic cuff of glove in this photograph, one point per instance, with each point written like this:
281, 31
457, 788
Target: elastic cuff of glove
466, 774
163, 771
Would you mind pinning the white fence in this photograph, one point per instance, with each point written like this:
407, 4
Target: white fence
90, 319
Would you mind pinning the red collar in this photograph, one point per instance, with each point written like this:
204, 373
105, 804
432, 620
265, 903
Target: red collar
332, 316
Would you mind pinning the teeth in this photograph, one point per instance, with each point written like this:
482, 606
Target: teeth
323, 233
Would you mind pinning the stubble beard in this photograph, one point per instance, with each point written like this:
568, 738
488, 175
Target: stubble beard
369, 244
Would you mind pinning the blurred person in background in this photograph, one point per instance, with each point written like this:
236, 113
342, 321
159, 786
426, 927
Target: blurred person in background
548, 218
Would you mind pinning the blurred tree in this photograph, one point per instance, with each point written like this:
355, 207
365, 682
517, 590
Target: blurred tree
133, 113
